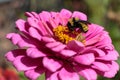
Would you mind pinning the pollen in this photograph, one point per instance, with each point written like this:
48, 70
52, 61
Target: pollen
63, 34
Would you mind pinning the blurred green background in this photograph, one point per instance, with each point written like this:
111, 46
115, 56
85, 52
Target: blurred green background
103, 12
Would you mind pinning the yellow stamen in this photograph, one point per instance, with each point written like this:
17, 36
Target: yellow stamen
60, 31
63, 34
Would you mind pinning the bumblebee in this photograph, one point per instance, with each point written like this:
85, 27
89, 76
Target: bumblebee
77, 23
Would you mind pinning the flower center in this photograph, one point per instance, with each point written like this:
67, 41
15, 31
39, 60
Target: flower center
63, 34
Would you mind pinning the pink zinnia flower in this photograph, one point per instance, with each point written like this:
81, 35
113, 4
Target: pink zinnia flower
46, 45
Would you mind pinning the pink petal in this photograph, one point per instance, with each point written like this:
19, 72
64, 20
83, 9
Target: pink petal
63, 20
93, 40
48, 39
105, 41
14, 37
34, 53
100, 66
33, 74
29, 14
60, 18
53, 44
68, 53
21, 25
53, 22
23, 63
113, 70
52, 76
42, 28
15, 53
48, 28
116, 53
85, 59
45, 16
111, 55
88, 74
55, 19
20, 40
79, 15
68, 75
94, 30
54, 14
75, 45
115, 65
98, 52
107, 47
59, 48
66, 13
34, 33
35, 15
56, 46
33, 22
51, 64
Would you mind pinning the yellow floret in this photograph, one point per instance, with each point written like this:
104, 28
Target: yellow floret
62, 33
